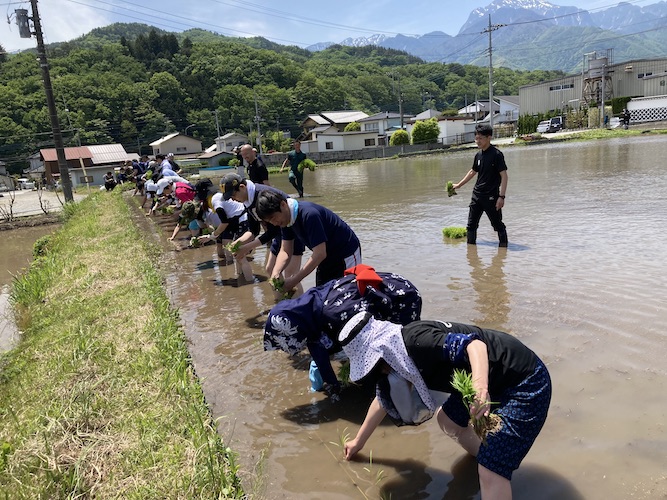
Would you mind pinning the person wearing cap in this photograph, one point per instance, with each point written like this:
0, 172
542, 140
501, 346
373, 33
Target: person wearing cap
150, 190
229, 220
187, 217
408, 362
257, 171
170, 191
314, 319
335, 246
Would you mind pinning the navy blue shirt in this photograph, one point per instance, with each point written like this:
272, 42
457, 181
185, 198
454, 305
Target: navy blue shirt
316, 224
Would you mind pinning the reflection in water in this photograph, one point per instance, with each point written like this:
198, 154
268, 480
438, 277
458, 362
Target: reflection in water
8, 330
15, 255
488, 281
580, 283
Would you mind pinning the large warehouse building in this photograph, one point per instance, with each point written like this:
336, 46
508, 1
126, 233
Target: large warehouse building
600, 81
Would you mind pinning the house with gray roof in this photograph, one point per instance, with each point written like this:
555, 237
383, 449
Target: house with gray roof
385, 124
176, 143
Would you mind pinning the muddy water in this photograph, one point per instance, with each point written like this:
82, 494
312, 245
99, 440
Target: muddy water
15, 256
582, 283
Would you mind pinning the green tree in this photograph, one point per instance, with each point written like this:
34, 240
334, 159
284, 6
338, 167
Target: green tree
425, 131
3, 55
353, 127
276, 141
399, 138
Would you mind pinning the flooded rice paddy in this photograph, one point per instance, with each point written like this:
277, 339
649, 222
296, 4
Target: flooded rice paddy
582, 284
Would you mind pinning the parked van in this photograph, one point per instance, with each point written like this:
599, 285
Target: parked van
551, 125
543, 126
24, 183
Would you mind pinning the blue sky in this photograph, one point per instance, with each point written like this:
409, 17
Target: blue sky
293, 22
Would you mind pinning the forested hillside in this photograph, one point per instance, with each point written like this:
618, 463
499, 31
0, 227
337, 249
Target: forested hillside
132, 84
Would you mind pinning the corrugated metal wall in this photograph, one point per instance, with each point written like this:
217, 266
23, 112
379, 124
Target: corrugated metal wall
628, 80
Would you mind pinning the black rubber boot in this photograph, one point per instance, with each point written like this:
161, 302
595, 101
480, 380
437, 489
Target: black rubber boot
502, 238
472, 236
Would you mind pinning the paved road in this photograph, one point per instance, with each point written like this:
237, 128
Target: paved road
24, 203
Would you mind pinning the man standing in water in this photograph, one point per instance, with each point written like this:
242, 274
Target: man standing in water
295, 157
488, 195
257, 171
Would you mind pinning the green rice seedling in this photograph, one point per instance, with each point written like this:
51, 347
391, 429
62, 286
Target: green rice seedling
484, 425
278, 284
194, 242
450, 189
343, 437
233, 247
344, 373
307, 164
454, 232
379, 475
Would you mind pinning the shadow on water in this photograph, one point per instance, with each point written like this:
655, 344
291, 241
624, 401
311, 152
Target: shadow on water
585, 302
415, 479
351, 408
257, 321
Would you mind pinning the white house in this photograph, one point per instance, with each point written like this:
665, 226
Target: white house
452, 129
384, 123
337, 119
346, 141
229, 141
424, 115
509, 109
479, 110
176, 143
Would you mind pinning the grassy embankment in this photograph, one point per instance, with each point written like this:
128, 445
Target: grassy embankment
99, 399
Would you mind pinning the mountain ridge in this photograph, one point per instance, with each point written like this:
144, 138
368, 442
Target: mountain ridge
519, 39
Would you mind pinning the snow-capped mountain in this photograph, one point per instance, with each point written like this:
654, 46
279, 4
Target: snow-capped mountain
517, 11
364, 40
536, 24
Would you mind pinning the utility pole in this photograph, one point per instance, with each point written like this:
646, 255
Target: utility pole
489, 30
396, 84
66, 182
217, 123
602, 90
259, 133
69, 122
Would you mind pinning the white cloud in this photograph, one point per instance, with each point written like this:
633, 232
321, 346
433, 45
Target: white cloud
61, 21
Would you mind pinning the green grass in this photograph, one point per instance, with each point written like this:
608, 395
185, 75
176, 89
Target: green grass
100, 399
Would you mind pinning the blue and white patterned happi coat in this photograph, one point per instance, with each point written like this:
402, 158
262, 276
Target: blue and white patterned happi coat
321, 312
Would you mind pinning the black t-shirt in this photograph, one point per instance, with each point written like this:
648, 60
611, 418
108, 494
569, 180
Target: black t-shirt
510, 361
257, 171
488, 165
